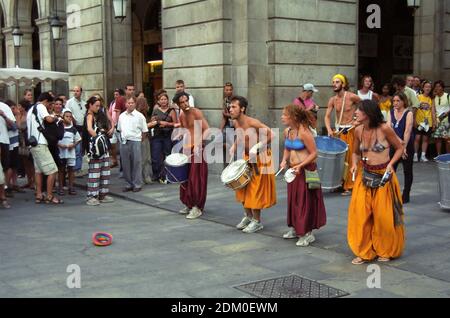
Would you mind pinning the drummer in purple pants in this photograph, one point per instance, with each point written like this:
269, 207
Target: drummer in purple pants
193, 192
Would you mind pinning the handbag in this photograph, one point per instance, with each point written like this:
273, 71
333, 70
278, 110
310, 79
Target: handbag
371, 179
312, 178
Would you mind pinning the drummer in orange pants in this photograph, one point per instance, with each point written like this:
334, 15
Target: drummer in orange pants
193, 192
344, 105
375, 215
260, 192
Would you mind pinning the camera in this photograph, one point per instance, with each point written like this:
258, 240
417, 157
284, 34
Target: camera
32, 142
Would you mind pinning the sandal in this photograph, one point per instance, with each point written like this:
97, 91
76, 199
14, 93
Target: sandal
39, 200
61, 192
384, 259
346, 193
53, 200
72, 192
17, 189
359, 261
5, 204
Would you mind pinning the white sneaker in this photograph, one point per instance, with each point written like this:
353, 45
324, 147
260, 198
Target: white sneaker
244, 223
253, 227
194, 214
416, 158
306, 240
423, 158
107, 199
184, 211
290, 235
93, 202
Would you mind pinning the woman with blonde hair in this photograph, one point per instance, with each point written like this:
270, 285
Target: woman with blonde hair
163, 121
306, 208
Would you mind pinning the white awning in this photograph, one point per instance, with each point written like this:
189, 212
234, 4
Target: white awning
28, 77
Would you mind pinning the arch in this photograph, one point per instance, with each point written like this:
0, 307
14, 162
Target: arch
23, 13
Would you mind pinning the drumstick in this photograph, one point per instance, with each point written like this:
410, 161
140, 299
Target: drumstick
278, 173
340, 132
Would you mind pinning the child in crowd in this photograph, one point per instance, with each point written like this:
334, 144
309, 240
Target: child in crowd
67, 152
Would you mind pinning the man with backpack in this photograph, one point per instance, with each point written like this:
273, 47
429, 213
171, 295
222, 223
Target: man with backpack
37, 119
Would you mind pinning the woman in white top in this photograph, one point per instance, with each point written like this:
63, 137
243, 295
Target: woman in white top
442, 104
365, 93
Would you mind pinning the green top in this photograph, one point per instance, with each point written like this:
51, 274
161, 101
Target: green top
412, 97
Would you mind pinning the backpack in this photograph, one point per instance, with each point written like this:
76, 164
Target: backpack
99, 146
53, 132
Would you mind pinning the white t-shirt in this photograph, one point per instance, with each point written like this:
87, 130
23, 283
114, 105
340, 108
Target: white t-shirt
4, 134
442, 104
368, 96
33, 126
191, 101
78, 109
71, 137
132, 125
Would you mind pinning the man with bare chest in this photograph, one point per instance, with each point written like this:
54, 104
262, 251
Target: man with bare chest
254, 137
344, 106
193, 192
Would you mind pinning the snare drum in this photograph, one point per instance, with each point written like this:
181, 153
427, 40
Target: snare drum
177, 168
237, 175
290, 176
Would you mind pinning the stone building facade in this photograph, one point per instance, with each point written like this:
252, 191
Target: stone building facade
266, 48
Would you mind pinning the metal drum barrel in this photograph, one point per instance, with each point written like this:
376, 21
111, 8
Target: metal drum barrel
331, 161
177, 168
443, 163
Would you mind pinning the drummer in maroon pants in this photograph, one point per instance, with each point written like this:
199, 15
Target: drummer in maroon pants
193, 192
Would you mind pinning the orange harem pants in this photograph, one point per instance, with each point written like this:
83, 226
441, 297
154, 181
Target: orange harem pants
371, 227
348, 139
260, 193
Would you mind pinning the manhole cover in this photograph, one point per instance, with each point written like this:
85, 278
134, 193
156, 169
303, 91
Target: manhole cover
291, 287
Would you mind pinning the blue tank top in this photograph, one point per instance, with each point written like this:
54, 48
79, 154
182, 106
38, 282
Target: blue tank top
400, 128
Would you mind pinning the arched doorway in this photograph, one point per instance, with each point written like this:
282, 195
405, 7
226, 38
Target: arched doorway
147, 47
387, 51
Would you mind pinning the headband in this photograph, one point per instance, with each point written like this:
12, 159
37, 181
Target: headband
341, 78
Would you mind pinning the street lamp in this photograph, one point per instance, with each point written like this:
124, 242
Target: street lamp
17, 37
57, 27
414, 5
120, 9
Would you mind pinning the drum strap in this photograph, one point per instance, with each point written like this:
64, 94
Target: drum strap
338, 125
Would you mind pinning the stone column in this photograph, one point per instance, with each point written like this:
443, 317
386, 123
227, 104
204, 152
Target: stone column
47, 53
85, 46
310, 41
197, 49
428, 40
2, 87
445, 36
2, 37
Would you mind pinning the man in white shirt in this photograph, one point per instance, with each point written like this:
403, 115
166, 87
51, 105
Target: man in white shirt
43, 160
7, 123
78, 108
180, 87
133, 129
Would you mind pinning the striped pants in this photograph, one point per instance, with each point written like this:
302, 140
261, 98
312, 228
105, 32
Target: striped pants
98, 180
